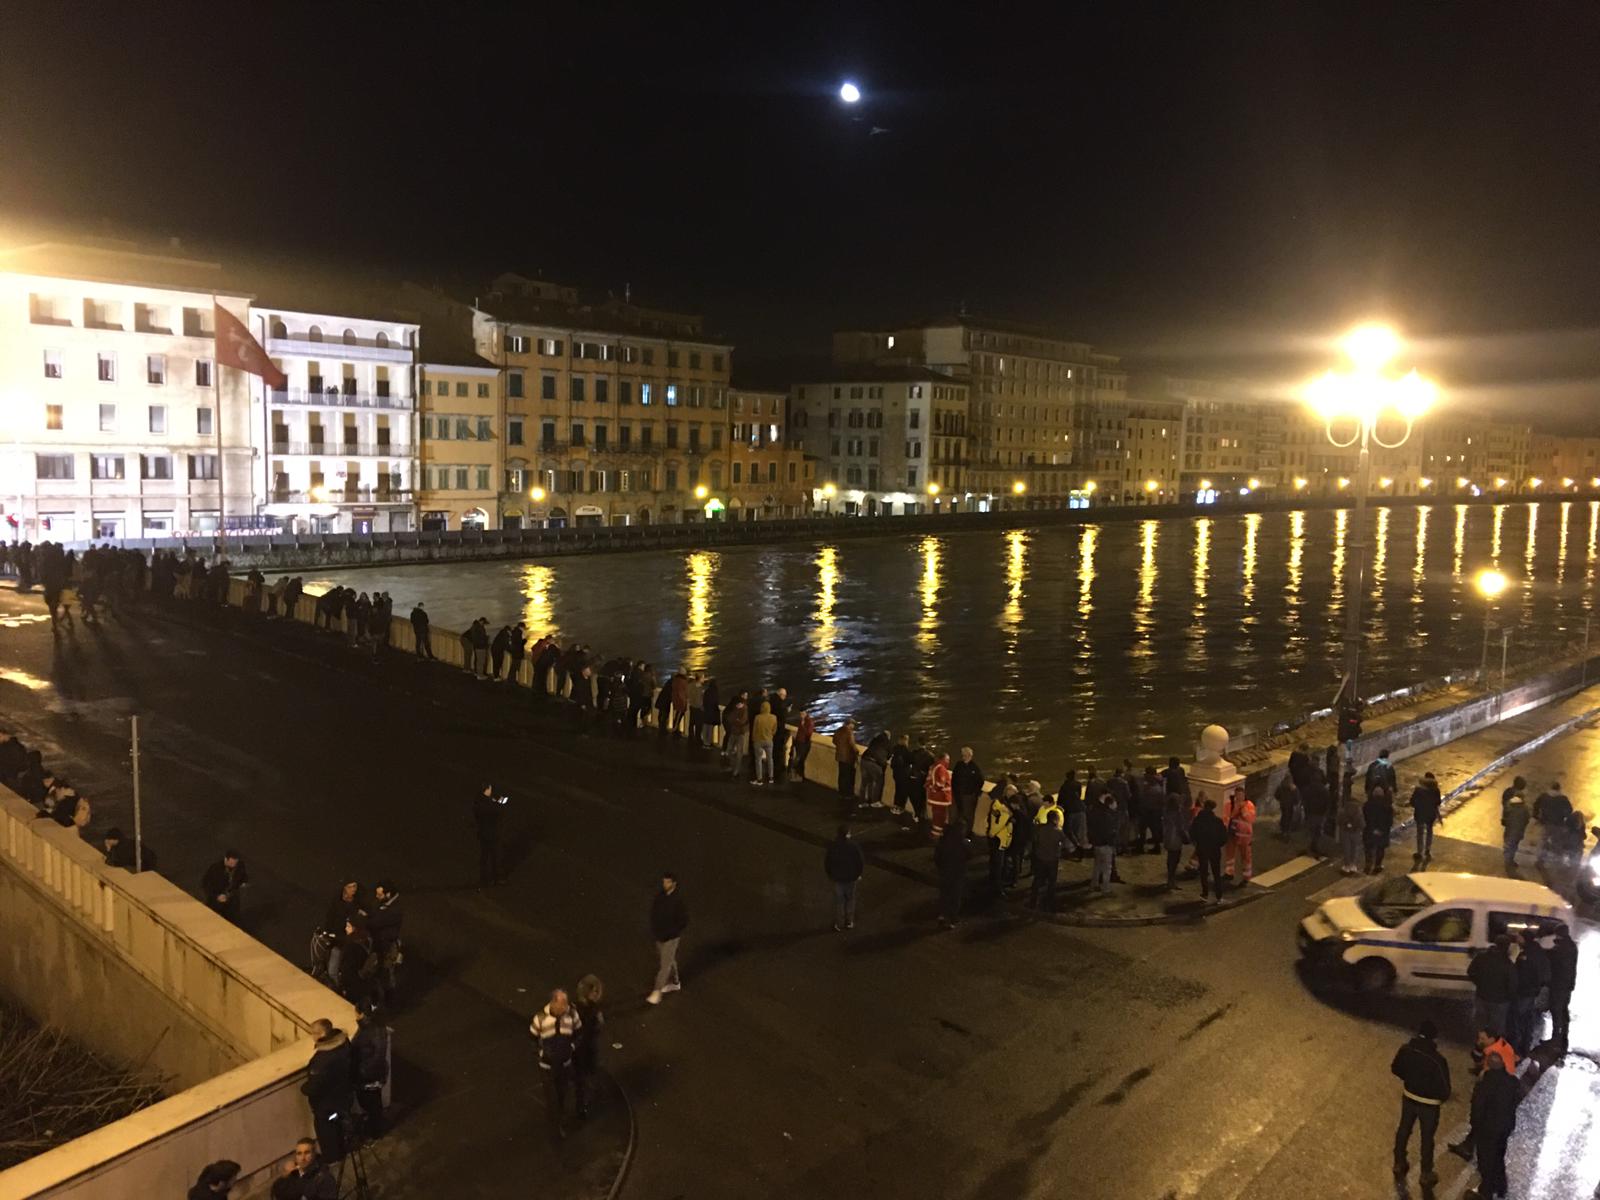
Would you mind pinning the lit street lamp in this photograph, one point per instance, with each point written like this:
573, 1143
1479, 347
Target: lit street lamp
536, 494
828, 493
701, 491
1357, 399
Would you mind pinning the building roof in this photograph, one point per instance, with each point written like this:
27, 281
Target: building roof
113, 260
610, 316
1445, 886
455, 358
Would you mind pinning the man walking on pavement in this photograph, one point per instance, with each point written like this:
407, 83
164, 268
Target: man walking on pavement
1425, 805
487, 810
1424, 1087
669, 917
1209, 835
845, 864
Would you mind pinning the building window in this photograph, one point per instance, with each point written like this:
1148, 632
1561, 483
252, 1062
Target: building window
672, 479
483, 391
649, 360
106, 466
203, 466
624, 436
52, 416
516, 343
461, 389
514, 431
485, 433
694, 439
738, 472
158, 418
550, 347
155, 466
646, 437
716, 362
514, 384
155, 368
52, 364
601, 391
694, 360
644, 393
107, 366
547, 387
108, 418
202, 422
577, 389
672, 395
202, 372
599, 437
461, 479
53, 466
672, 437
443, 433
624, 391
577, 433
483, 479
672, 358
463, 430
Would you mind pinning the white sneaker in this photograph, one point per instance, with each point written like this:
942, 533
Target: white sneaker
671, 987
653, 998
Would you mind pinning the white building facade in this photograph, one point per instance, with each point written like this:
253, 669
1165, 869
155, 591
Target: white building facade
337, 446
115, 422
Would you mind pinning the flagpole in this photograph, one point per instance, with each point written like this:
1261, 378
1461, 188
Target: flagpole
222, 491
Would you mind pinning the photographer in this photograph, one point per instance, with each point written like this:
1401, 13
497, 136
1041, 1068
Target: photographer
487, 810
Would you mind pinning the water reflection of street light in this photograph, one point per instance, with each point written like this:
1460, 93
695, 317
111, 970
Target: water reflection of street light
1490, 583
1356, 400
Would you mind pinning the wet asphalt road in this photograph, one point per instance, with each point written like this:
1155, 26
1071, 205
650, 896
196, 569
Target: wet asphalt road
1003, 1060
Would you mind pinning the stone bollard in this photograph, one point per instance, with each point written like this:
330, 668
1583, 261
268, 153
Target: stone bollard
1212, 777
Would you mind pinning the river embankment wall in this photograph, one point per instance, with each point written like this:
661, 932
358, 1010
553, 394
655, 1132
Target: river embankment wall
143, 973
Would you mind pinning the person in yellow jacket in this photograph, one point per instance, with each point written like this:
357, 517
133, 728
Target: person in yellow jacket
1051, 805
1240, 819
1002, 828
762, 730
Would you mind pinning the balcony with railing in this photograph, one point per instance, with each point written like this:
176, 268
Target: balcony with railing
343, 449
338, 495
333, 397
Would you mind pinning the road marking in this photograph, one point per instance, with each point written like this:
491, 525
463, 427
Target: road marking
1295, 866
1347, 885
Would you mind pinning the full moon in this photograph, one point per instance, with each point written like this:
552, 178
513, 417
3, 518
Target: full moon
849, 93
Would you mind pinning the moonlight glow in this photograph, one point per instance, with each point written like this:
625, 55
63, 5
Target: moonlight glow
849, 92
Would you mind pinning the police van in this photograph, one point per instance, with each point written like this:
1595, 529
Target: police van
1418, 932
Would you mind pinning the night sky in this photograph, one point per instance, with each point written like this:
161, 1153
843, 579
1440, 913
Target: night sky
1196, 185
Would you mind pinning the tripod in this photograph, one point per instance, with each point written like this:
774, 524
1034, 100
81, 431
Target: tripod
354, 1161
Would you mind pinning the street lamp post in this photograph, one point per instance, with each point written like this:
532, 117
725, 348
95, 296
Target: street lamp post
1361, 396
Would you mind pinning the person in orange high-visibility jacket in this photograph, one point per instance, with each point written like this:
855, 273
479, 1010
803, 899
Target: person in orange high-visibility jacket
938, 793
1240, 818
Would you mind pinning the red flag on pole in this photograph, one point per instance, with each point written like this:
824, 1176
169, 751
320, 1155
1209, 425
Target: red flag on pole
236, 348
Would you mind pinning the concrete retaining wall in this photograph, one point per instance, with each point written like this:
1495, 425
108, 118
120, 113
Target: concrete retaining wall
136, 969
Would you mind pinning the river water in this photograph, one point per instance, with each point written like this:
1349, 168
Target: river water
1061, 645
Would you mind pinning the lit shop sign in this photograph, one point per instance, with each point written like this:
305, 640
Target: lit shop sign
1206, 496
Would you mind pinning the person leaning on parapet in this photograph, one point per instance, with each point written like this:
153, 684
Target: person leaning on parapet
119, 851
420, 632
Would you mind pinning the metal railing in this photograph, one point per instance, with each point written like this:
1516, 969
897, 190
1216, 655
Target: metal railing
335, 398
342, 449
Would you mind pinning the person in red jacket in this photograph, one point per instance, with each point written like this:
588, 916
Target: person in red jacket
1240, 818
938, 793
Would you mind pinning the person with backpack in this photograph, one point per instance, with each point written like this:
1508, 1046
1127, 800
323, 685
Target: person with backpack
556, 1028
1380, 774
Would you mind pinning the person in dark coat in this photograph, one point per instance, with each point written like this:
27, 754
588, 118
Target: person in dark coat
900, 771
845, 864
950, 859
1209, 835
1494, 978
1048, 841
216, 1180
966, 785
329, 1087
779, 702
1380, 774
305, 1176
498, 649
1494, 1117
516, 652
1563, 964
1300, 765
1378, 815
488, 809
589, 1001
1105, 827
119, 851
1316, 800
222, 886
1176, 779
369, 1051
1533, 973
1426, 803
1425, 1085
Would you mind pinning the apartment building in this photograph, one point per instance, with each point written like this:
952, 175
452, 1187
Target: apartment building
1044, 410
1151, 471
767, 474
338, 445
114, 419
461, 471
889, 440
624, 408
1565, 462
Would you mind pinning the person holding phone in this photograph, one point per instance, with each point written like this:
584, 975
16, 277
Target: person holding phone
488, 809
